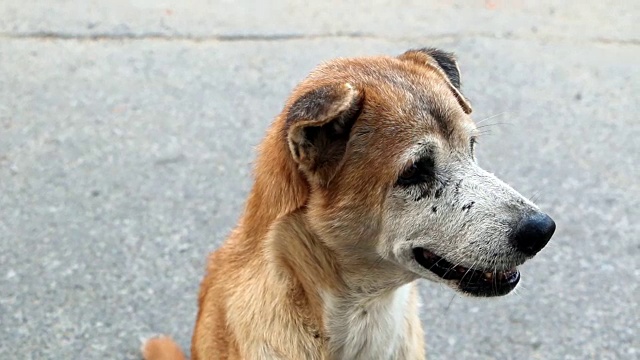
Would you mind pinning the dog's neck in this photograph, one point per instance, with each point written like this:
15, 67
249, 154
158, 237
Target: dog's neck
367, 327
359, 306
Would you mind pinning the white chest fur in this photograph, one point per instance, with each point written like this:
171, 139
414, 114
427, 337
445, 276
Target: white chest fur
372, 329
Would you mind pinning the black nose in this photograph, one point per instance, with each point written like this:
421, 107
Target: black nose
533, 233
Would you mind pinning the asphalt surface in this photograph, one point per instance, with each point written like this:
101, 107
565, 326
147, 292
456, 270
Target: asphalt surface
127, 130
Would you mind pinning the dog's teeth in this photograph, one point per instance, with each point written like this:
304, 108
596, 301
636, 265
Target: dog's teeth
488, 275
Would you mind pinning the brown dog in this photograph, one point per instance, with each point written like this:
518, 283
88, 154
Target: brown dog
366, 182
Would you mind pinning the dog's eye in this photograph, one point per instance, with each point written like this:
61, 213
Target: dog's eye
418, 172
409, 174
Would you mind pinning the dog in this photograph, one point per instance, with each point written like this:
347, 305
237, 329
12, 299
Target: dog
365, 182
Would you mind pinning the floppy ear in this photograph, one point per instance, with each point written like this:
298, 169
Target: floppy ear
318, 127
443, 62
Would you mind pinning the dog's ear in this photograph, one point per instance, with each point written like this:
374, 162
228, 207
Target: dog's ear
318, 126
443, 62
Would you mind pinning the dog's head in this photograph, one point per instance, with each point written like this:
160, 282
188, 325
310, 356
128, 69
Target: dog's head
387, 147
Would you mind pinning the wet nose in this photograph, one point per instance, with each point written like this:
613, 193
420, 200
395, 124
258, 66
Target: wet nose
533, 233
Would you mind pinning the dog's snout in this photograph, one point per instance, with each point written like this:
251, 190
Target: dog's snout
533, 233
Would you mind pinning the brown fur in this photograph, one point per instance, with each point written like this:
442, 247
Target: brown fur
162, 348
310, 219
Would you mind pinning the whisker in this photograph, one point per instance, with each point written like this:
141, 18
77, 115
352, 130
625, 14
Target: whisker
436, 263
465, 274
375, 264
535, 197
451, 268
450, 302
492, 124
520, 289
490, 117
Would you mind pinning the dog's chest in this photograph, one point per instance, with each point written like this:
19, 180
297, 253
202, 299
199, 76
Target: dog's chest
371, 329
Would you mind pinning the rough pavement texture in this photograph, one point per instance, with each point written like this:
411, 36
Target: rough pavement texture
127, 130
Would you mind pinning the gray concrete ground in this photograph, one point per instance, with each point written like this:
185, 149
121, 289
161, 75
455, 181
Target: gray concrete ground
127, 130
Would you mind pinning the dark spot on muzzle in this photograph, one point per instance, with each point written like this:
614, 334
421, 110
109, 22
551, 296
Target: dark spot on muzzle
440, 190
457, 187
468, 206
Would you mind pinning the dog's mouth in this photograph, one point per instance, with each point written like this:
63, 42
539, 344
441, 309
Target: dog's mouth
474, 282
